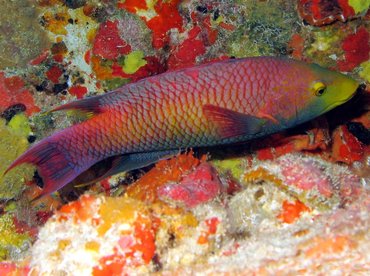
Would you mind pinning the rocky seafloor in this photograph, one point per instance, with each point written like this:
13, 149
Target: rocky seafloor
292, 203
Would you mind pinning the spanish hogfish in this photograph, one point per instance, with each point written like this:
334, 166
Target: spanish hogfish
210, 104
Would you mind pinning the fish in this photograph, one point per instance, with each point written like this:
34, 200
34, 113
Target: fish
216, 103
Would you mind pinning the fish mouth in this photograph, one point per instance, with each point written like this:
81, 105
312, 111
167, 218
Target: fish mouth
359, 91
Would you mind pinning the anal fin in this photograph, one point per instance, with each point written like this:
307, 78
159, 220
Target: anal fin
129, 162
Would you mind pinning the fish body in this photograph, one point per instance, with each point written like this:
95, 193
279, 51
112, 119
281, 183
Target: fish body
211, 104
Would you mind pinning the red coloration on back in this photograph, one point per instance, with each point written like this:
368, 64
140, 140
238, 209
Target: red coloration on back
196, 188
356, 47
78, 91
13, 91
108, 43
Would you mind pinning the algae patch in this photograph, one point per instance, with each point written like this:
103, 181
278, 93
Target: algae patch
133, 62
21, 36
265, 30
13, 142
12, 244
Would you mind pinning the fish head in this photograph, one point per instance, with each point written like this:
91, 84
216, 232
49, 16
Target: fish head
322, 90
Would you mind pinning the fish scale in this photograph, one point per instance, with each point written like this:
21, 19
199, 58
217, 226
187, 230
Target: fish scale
206, 105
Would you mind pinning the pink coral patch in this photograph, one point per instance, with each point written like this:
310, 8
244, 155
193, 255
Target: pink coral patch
306, 175
198, 187
167, 17
108, 43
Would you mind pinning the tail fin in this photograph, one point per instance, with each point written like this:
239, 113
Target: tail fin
54, 165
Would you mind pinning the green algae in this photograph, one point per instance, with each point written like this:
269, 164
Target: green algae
11, 242
21, 36
359, 5
114, 83
365, 71
234, 166
265, 30
13, 142
133, 62
19, 124
324, 40
325, 47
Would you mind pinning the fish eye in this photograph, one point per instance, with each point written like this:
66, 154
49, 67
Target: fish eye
319, 88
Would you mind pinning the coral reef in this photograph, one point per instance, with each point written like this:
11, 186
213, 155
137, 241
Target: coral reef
126, 235
294, 202
357, 48
263, 32
324, 12
13, 92
197, 187
18, 45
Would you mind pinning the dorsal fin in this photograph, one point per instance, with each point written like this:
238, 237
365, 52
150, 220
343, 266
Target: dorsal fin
89, 106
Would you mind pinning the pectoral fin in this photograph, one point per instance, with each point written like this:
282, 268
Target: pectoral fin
268, 117
264, 112
231, 123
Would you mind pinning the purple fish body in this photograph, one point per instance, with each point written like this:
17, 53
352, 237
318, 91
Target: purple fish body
206, 105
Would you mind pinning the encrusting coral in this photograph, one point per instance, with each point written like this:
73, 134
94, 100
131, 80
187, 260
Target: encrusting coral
294, 202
